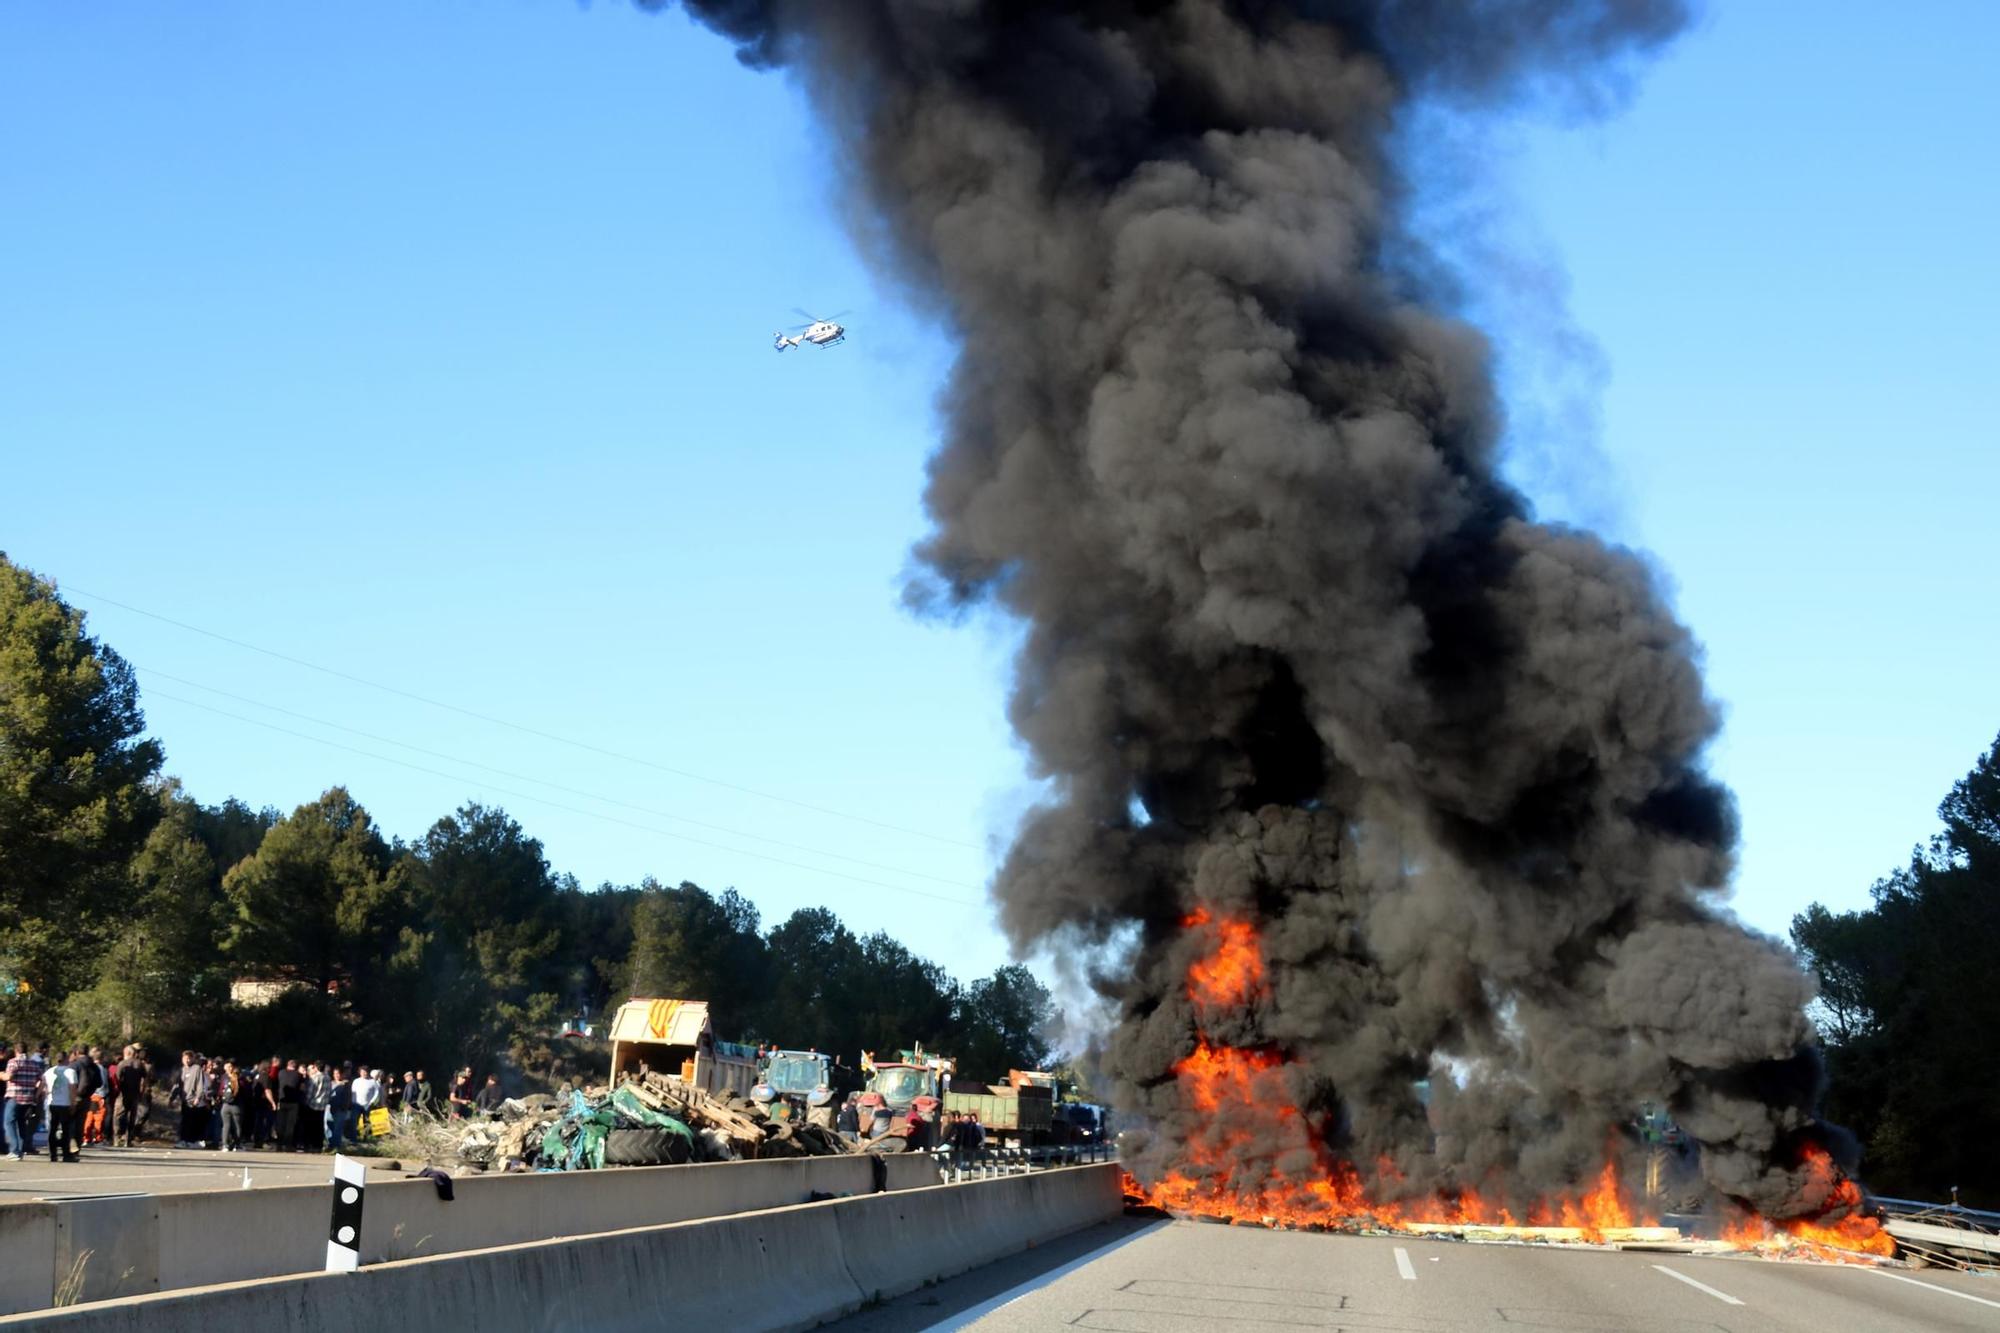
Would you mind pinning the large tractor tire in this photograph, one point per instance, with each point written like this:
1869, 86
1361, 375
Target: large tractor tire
643, 1147
889, 1143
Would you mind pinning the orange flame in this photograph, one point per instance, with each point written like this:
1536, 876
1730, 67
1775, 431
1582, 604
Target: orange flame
1601, 1209
1228, 1169
1234, 972
1211, 1185
1215, 1074
1852, 1233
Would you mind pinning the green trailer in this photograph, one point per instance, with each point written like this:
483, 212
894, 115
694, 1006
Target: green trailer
1014, 1117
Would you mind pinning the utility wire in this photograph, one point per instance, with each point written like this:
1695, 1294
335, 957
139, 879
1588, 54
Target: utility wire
557, 805
510, 725
553, 786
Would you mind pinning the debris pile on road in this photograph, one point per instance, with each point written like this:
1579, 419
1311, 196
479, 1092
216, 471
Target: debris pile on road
647, 1120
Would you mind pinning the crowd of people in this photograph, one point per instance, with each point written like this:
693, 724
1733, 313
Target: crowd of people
963, 1134
959, 1131
73, 1092
279, 1105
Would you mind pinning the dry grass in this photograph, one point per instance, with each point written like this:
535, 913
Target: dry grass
70, 1290
421, 1140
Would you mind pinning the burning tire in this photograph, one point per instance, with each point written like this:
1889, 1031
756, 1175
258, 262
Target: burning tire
642, 1147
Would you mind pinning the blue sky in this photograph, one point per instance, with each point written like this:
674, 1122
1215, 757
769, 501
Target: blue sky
429, 345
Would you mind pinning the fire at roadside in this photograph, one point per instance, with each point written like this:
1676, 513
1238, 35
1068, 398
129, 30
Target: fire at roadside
1241, 1096
1605, 1223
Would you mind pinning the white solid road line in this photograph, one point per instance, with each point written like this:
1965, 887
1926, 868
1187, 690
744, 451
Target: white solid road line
1722, 1296
185, 1175
1932, 1286
1403, 1265
9, 1182
986, 1307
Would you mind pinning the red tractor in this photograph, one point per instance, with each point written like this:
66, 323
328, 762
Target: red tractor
901, 1103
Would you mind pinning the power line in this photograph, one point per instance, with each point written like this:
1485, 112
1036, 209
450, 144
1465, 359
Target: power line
557, 805
544, 782
510, 725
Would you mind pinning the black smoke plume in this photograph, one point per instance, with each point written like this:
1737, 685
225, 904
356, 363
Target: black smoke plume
1295, 653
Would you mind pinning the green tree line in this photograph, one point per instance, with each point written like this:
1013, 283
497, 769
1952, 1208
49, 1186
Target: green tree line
128, 909
1908, 1010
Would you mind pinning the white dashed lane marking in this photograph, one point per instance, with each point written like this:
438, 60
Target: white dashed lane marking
1722, 1296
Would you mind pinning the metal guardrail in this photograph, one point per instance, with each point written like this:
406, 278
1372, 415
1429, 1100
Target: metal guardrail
1946, 1234
1917, 1208
989, 1162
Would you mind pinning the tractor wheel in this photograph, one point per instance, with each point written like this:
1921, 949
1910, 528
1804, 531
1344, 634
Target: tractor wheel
642, 1147
889, 1143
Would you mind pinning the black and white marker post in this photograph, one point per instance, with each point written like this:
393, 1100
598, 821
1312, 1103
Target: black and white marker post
343, 1237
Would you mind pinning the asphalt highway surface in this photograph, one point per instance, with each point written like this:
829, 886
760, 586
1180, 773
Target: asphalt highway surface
1134, 1276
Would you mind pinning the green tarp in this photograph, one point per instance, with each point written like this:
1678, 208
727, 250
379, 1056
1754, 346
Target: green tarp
576, 1141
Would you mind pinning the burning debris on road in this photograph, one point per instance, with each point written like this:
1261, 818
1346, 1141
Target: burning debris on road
1241, 1100
1602, 1223
1381, 804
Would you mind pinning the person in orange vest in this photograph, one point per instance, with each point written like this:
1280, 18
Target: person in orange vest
90, 1082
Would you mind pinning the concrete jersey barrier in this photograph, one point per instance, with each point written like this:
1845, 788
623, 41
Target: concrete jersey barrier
784, 1268
136, 1244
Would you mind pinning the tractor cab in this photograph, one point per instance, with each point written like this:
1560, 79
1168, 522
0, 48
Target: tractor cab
902, 1099
801, 1085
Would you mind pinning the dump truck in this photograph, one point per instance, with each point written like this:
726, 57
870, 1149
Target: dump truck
802, 1085
674, 1038
1019, 1113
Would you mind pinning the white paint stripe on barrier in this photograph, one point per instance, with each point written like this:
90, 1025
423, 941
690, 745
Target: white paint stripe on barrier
1932, 1286
343, 1237
1014, 1293
1722, 1296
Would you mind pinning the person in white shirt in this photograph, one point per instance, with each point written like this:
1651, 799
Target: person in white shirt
367, 1092
59, 1089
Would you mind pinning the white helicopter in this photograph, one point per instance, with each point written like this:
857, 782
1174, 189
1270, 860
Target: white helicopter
816, 331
